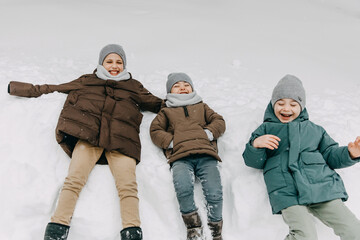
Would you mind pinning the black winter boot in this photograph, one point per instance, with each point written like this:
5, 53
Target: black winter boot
56, 231
131, 233
216, 229
194, 226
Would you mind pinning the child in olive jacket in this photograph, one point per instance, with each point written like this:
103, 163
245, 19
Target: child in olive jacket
298, 158
187, 130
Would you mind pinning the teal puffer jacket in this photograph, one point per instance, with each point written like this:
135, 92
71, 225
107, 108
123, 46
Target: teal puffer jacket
301, 170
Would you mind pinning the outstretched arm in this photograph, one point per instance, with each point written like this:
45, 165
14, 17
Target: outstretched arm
338, 157
150, 102
23, 89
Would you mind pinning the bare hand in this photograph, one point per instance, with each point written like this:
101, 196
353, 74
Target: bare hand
354, 148
267, 141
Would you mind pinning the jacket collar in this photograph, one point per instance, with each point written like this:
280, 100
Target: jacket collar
269, 115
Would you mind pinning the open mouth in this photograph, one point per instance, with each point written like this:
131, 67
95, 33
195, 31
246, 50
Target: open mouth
286, 115
114, 73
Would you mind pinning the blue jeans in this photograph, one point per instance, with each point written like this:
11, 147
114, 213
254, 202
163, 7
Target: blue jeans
205, 168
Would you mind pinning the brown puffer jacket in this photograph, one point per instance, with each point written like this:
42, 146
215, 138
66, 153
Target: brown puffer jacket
185, 126
106, 113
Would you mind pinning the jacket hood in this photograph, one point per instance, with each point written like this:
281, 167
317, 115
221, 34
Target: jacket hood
270, 116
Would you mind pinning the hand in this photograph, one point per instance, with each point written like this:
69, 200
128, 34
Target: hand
267, 141
171, 145
209, 134
354, 148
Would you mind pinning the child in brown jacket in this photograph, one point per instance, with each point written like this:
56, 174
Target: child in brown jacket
99, 123
187, 130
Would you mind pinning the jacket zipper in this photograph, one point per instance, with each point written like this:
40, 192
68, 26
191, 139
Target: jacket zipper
186, 111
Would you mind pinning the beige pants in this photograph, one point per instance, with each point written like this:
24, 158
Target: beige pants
83, 161
334, 214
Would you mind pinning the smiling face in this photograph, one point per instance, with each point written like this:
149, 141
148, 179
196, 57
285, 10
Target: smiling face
181, 88
287, 110
113, 64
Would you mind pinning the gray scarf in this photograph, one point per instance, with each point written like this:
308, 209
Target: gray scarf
179, 100
105, 75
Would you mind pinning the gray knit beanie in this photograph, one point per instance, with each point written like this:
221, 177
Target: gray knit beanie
177, 77
112, 48
289, 87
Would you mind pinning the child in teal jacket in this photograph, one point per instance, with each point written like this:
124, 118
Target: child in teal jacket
298, 159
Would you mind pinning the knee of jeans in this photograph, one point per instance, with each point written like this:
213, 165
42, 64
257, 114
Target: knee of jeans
183, 192
183, 187
213, 195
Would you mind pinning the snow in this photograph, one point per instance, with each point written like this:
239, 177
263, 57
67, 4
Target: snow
235, 52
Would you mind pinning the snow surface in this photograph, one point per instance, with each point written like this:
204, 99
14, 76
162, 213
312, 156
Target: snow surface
235, 51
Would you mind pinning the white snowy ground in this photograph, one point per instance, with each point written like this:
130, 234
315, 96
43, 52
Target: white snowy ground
235, 51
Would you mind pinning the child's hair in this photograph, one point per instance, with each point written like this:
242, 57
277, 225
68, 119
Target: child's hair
289, 87
177, 77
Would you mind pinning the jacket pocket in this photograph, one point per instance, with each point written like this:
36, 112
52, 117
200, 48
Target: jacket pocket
185, 132
273, 175
315, 168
